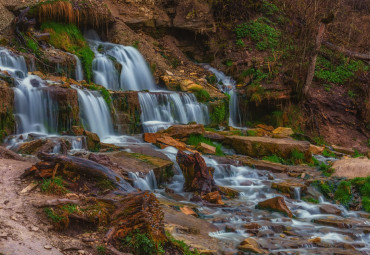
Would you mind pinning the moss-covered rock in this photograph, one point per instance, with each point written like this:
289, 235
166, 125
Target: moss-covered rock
7, 121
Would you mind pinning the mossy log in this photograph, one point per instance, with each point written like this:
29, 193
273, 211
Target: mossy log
46, 168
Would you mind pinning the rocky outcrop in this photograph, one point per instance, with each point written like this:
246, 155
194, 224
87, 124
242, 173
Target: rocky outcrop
127, 112
68, 107
264, 146
184, 131
330, 209
275, 204
198, 177
352, 168
7, 121
250, 245
92, 140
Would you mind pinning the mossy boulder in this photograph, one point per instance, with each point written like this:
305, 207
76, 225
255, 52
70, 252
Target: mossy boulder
92, 140
289, 187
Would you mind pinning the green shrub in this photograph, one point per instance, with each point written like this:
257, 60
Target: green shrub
343, 193
54, 217
251, 132
142, 244
326, 170
102, 250
219, 113
265, 36
180, 244
357, 154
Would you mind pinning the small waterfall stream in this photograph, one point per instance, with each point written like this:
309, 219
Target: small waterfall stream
94, 112
227, 85
78, 69
119, 67
161, 110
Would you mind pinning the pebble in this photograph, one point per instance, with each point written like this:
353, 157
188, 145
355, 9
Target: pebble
81, 252
48, 247
33, 228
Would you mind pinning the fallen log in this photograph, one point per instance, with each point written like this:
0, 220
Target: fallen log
88, 168
55, 202
348, 53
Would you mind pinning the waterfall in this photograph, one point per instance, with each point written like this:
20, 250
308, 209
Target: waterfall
297, 193
161, 110
227, 85
35, 111
94, 113
148, 182
119, 67
78, 69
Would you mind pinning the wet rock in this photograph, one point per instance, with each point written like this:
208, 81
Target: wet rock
207, 149
252, 228
230, 229
289, 187
265, 146
315, 240
92, 140
8, 154
250, 245
330, 209
7, 120
184, 131
338, 223
151, 137
188, 211
36, 146
229, 192
275, 204
127, 112
213, 198
352, 168
214, 136
282, 132
265, 233
198, 177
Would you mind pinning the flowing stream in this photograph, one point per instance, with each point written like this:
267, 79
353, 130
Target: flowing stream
119, 67
227, 85
161, 110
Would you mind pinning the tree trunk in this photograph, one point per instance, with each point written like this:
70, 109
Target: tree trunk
348, 53
312, 66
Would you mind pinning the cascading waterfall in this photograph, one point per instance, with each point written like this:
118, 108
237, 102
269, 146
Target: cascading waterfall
227, 85
78, 69
35, 111
119, 67
148, 182
94, 113
161, 110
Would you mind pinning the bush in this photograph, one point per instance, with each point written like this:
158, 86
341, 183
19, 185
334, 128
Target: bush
219, 113
265, 36
343, 193
142, 244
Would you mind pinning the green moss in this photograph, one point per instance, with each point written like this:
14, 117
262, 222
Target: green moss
54, 217
101, 249
328, 154
142, 244
366, 203
195, 140
54, 186
252, 132
69, 38
357, 154
182, 245
202, 95
103, 91
32, 44
310, 200
343, 193
275, 159
326, 170
70, 208
219, 114
105, 184
297, 157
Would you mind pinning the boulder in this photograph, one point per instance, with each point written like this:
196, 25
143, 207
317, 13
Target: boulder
8, 154
343, 150
207, 149
213, 198
251, 246
151, 137
198, 177
352, 168
229, 192
188, 211
252, 228
6, 18
265, 146
316, 149
275, 204
184, 131
214, 136
282, 132
92, 140
289, 187
330, 209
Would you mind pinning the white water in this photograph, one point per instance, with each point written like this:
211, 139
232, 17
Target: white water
227, 85
161, 110
35, 110
134, 73
94, 113
147, 182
